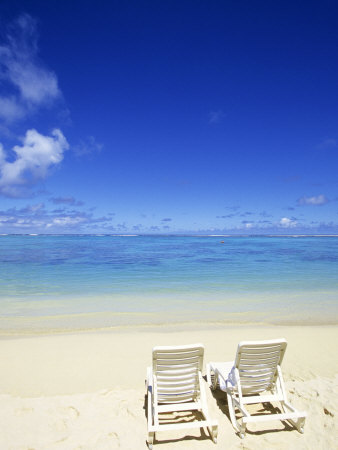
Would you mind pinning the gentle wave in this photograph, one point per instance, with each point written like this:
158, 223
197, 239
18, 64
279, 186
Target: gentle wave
73, 274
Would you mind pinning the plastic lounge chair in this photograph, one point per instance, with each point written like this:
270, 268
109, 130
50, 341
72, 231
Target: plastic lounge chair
255, 377
174, 384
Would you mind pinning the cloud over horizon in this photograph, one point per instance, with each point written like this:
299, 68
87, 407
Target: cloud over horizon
33, 159
66, 201
38, 219
29, 83
316, 200
27, 87
285, 222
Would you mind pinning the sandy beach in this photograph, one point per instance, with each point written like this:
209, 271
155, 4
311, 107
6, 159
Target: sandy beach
86, 390
168, 177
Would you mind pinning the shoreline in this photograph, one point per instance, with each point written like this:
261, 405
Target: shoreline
123, 322
48, 315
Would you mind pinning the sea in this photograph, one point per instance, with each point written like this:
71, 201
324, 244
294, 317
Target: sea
101, 281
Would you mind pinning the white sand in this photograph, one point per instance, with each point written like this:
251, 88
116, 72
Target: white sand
86, 391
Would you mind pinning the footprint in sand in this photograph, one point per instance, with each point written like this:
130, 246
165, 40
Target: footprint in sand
70, 412
115, 438
73, 412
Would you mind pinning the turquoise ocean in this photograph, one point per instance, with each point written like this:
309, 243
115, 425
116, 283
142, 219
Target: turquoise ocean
103, 281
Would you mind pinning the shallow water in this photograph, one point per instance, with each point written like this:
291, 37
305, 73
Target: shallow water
289, 278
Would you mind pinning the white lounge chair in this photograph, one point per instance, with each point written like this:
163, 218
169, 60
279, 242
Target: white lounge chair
174, 384
254, 377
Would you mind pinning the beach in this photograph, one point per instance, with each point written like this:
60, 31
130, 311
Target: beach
79, 316
85, 390
168, 177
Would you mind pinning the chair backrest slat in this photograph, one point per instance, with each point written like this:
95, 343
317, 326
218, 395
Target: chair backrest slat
257, 363
177, 372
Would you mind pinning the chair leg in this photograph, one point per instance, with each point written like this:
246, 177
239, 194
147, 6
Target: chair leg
214, 433
232, 414
242, 430
239, 426
300, 425
214, 382
211, 378
151, 437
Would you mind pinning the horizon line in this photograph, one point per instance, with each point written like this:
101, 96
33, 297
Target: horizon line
166, 235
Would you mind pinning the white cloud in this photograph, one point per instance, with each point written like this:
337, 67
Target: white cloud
315, 200
66, 201
37, 218
31, 83
10, 109
87, 146
285, 222
33, 159
67, 221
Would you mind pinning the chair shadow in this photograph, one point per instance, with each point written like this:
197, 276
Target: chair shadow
194, 415
222, 403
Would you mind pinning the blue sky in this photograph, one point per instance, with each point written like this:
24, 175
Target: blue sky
168, 117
